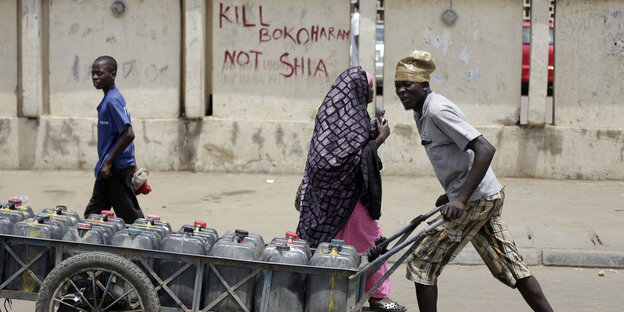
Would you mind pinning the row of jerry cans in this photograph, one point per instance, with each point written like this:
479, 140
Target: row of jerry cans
289, 291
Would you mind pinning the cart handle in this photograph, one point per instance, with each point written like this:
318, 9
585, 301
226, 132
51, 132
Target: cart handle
397, 248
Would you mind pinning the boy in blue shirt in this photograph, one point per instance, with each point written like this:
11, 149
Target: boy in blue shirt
116, 164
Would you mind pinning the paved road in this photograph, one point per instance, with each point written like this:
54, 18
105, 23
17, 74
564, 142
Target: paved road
472, 289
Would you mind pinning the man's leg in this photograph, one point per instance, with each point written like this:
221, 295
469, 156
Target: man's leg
99, 199
122, 195
427, 296
533, 295
498, 250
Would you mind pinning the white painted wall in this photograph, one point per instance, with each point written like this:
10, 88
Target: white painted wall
478, 58
8, 58
277, 59
146, 42
589, 63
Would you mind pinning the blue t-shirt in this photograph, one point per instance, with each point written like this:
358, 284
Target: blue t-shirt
113, 118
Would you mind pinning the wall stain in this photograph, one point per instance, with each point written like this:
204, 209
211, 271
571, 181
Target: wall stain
73, 28
220, 155
404, 131
279, 135
5, 131
189, 133
235, 130
75, 67
258, 139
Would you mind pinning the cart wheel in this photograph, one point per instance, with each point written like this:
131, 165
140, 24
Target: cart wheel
97, 281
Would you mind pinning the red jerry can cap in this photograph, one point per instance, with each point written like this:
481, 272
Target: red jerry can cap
107, 213
15, 201
292, 235
153, 217
201, 224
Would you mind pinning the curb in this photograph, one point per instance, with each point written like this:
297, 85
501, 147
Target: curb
583, 258
548, 257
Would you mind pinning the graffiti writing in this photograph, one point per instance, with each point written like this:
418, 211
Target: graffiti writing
248, 16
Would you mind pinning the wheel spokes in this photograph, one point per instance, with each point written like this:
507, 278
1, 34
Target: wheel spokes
69, 305
117, 300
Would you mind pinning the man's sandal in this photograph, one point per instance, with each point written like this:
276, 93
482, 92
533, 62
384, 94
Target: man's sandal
391, 306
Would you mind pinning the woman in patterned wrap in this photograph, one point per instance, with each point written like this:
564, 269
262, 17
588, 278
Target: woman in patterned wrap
341, 187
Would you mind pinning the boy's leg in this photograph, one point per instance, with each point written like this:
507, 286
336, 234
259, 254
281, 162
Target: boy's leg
498, 250
99, 199
441, 246
427, 296
122, 195
533, 295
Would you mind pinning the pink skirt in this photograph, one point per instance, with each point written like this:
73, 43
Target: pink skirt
361, 231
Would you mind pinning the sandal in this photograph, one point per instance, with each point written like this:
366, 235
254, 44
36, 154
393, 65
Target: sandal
376, 304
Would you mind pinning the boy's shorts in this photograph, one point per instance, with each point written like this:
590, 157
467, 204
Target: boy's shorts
482, 225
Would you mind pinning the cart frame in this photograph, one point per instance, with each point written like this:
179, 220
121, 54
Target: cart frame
356, 297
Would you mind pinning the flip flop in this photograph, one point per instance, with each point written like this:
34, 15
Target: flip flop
391, 306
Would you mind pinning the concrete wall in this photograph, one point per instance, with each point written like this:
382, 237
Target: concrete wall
589, 63
275, 59
186, 58
8, 58
145, 41
477, 58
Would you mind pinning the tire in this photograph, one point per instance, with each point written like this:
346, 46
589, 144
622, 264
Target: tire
71, 282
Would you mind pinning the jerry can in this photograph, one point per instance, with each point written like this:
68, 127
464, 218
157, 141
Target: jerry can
200, 229
287, 289
184, 284
292, 239
40, 227
236, 246
154, 220
329, 293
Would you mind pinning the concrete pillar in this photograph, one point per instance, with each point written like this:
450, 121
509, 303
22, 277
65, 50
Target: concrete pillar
194, 58
31, 58
368, 34
535, 112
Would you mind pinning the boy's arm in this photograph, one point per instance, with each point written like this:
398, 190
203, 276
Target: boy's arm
127, 136
483, 155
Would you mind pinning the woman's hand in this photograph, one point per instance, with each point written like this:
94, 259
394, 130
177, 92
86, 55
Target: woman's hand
383, 131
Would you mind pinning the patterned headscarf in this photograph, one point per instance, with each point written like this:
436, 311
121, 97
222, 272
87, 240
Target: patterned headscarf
341, 130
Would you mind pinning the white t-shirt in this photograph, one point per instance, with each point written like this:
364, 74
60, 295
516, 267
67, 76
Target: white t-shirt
445, 133
355, 31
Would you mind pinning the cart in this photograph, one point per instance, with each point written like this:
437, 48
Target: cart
93, 270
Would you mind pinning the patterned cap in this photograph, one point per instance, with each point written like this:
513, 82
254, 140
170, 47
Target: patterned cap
415, 67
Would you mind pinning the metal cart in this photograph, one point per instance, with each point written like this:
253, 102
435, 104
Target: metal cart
90, 275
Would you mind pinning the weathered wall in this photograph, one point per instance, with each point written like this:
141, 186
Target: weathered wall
145, 41
263, 116
8, 58
477, 58
276, 59
589, 63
